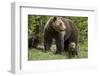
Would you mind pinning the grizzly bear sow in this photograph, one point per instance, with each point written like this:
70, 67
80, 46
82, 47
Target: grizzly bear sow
63, 31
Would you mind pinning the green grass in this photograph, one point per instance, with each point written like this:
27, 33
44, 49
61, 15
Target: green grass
36, 54
83, 51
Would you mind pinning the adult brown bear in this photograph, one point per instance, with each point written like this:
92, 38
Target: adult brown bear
63, 31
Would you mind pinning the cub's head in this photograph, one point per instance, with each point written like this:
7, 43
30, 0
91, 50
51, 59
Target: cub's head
57, 24
72, 46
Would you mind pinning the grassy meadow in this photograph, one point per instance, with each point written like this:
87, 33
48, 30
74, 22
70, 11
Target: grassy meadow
37, 54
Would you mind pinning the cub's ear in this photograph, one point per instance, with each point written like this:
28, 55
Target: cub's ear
54, 19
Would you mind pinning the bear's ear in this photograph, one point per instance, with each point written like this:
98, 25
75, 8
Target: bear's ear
54, 19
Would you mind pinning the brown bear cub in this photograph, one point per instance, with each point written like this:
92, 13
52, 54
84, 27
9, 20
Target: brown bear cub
63, 31
72, 49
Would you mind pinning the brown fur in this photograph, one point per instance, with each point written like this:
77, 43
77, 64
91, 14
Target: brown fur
63, 31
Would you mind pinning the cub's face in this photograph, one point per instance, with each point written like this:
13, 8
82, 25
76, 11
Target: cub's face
58, 24
72, 46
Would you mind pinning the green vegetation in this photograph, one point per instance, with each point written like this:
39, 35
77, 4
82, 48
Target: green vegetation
35, 28
35, 54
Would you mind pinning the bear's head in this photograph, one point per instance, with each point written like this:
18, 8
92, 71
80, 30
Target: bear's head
55, 24
72, 46
58, 24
